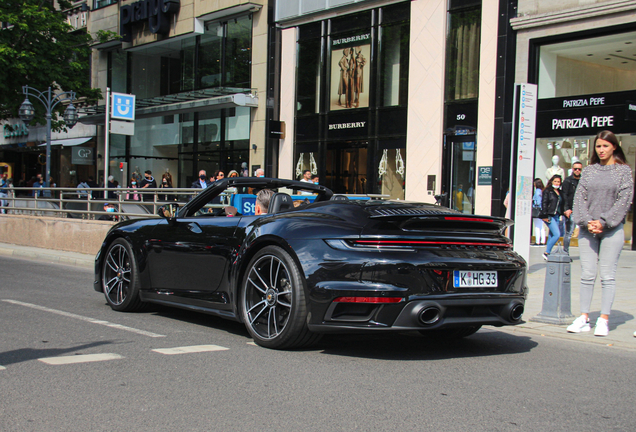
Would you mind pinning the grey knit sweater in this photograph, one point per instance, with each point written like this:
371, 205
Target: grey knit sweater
604, 194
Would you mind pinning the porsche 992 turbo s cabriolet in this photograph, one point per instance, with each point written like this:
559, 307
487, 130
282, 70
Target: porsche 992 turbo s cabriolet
330, 264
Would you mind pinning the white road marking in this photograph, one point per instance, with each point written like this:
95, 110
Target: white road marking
252, 343
85, 358
84, 318
2, 368
190, 349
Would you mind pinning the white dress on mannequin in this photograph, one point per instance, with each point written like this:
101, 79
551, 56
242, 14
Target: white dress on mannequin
554, 169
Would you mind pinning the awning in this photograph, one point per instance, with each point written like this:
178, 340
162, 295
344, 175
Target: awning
180, 103
69, 142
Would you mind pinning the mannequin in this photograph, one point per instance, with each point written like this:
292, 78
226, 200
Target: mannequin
554, 169
574, 160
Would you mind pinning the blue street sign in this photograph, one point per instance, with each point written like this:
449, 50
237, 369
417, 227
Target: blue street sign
123, 106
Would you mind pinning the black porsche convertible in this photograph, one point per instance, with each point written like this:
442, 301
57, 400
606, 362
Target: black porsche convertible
316, 263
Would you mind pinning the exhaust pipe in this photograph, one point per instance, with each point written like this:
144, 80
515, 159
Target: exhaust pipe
429, 315
516, 312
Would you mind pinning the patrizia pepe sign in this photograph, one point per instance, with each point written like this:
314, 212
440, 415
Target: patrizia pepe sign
586, 114
156, 12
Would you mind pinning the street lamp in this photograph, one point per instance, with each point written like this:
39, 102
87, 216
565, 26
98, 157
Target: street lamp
50, 101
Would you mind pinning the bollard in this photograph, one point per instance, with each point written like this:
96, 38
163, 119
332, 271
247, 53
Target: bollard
556, 293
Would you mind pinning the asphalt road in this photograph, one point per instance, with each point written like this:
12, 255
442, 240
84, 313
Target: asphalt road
70, 363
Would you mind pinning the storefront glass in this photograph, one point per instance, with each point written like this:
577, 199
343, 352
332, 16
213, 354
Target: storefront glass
462, 51
209, 139
585, 86
351, 99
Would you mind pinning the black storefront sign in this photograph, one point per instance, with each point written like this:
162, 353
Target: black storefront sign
348, 125
156, 12
586, 114
461, 119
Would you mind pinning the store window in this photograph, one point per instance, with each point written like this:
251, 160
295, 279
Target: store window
309, 64
394, 55
587, 66
462, 52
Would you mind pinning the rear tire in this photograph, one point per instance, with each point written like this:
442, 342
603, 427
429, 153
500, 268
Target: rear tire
120, 278
451, 333
273, 304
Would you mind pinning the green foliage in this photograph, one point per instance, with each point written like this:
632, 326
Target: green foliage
103, 36
40, 49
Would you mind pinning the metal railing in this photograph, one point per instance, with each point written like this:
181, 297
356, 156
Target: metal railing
88, 203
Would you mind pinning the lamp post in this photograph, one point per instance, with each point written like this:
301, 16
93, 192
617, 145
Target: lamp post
50, 101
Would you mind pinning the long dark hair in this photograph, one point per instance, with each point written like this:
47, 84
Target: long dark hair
608, 136
538, 183
549, 185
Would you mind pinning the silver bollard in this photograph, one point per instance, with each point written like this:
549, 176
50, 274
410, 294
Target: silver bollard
557, 291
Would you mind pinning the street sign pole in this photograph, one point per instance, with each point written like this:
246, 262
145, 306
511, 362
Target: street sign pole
106, 140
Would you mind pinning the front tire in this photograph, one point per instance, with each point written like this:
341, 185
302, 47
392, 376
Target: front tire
273, 301
120, 277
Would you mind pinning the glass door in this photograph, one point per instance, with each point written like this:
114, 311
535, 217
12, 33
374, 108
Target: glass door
346, 169
459, 173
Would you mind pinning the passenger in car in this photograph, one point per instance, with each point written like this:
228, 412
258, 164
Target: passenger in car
262, 201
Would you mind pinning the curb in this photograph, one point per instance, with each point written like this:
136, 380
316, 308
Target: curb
47, 255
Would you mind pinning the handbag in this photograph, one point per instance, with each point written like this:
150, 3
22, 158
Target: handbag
536, 212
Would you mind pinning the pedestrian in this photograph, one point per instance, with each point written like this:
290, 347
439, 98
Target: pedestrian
4, 185
218, 175
569, 188
132, 194
233, 174
601, 202
202, 182
551, 212
315, 179
166, 183
537, 223
80, 193
111, 185
148, 182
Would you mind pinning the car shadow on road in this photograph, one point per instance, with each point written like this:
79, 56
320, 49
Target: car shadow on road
200, 319
413, 346
26, 354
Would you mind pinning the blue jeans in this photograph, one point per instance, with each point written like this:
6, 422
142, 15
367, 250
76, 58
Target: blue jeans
567, 236
553, 234
599, 252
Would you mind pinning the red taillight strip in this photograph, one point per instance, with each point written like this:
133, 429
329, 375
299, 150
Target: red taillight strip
423, 242
368, 300
467, 219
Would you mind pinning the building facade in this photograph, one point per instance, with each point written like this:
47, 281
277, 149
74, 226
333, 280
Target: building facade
582, 56
391, 97
198, 71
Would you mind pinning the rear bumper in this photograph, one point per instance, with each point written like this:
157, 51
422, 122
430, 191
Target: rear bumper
432, 313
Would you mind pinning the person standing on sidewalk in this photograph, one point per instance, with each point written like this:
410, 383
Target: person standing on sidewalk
551, 212
569, 188
601, 202
537, 223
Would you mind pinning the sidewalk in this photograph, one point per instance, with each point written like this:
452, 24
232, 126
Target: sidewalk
622, 322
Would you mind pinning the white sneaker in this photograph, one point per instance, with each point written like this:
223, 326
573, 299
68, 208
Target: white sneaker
581, 324
601, 328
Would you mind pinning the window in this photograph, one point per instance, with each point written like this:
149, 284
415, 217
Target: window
462, 51
102, 3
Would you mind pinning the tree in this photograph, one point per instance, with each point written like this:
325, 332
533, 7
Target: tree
40, 49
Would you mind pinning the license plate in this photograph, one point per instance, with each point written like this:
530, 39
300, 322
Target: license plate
472, 279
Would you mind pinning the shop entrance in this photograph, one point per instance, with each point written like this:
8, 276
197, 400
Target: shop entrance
346, 168
458, 173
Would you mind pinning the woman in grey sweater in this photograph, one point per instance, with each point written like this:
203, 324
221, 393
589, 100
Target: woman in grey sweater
601, 202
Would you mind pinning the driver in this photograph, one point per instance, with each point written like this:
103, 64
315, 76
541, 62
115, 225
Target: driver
262, 201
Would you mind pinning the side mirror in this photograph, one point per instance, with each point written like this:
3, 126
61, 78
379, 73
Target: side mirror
168, 211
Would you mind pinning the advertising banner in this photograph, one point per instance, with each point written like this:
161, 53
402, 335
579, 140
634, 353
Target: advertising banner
350, 72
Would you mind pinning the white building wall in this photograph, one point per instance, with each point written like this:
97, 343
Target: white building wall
424, 139
287, 102
487, 95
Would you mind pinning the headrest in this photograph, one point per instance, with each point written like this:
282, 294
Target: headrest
280, 202
339, 198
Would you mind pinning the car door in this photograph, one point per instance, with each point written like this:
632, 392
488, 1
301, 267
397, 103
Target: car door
188, 257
